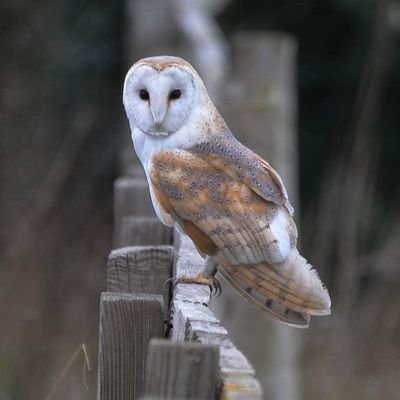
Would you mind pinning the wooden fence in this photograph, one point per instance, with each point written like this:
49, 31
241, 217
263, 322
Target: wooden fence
140, 310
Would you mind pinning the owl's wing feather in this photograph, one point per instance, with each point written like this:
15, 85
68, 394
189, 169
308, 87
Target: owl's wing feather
227, 154
244, 282
290, 291
245, 227
253, 239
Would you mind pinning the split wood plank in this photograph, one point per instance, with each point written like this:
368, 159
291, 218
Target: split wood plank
143, 269
131, 198
127, 323
142, 231
181, 370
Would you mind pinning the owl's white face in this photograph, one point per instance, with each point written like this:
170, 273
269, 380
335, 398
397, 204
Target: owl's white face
159, 99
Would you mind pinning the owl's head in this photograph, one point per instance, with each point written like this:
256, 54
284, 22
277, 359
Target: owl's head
160, 94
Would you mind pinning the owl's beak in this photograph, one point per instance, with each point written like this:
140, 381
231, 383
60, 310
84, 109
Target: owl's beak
158, 111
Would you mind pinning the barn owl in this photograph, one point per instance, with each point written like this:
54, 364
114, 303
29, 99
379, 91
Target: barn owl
230, 202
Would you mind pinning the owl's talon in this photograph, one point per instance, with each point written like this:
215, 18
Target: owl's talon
173, 281
218, 287
210, 281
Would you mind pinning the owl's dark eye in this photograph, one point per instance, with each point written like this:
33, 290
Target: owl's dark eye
175, 94
144, 94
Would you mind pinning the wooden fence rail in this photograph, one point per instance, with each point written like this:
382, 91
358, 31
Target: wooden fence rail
140, 310
184, 370
192, 320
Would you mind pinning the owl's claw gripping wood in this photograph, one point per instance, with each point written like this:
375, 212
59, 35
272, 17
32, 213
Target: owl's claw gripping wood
210, 281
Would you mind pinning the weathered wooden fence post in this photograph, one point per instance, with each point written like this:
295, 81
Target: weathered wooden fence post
141, 269
131, 198
131, 313
146, 231
182, 370
127, 323
260, 109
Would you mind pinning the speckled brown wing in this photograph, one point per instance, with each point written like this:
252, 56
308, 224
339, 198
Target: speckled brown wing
228, 210
209, 203
226, 153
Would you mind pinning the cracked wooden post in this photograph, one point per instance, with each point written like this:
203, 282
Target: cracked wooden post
181, 370
143, 231
131, 198
127, 323
141, 269
130, 316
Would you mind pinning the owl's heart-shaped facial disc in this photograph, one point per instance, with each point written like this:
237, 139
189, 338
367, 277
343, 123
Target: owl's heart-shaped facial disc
159, 97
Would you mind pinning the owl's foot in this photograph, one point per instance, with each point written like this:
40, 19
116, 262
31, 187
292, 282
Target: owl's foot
210, 281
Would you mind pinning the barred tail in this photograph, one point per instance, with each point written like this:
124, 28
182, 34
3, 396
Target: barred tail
291, 291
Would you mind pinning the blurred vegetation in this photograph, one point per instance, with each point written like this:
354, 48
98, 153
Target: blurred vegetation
349, 91
334, 40
60, 117
60, 111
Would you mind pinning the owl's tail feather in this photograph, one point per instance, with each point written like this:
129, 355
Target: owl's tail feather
291, 291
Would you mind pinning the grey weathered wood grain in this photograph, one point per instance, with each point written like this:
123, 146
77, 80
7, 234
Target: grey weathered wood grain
142, 231
143, 269
192, 320
181, 370
127, 323
131, 198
